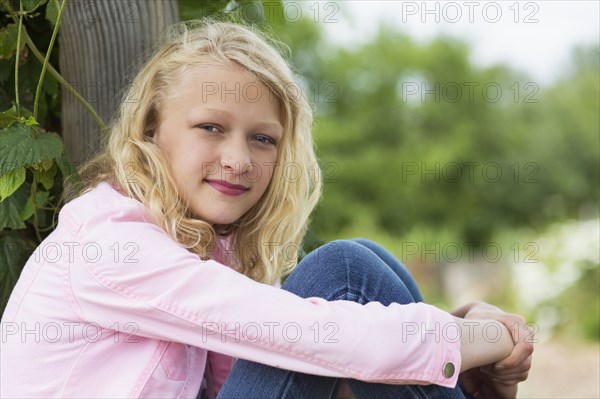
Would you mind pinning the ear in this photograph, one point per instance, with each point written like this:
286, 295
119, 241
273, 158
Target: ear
149, 136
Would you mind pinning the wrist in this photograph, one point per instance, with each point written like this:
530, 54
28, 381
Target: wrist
483, 310
483, 341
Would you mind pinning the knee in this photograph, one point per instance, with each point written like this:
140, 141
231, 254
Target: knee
340, 252
345, 269
349, 259
324, 270
336, 258
365, 242
361, 240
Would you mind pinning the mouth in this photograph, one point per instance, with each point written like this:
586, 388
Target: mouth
227, 188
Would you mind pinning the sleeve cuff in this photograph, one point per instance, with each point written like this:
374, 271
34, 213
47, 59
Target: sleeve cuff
448, 362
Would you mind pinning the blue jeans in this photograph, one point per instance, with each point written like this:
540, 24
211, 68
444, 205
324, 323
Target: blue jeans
356, 270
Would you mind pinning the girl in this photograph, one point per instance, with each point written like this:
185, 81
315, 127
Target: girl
161, 269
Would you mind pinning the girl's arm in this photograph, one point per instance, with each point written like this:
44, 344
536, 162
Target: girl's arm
483, 341
514, 367
499, 376
515, 332
168, 293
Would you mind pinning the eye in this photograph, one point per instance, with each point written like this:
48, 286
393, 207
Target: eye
264, 139
209, 128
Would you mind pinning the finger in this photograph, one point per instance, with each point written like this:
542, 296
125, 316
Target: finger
520, 357
491, 372
509, 382
498, 369
520, 352
516, 370
511, 378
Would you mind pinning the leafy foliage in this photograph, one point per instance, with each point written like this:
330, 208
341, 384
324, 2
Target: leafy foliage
22, 145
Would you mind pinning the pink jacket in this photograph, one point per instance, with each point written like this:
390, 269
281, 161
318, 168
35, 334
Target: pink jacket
109, 306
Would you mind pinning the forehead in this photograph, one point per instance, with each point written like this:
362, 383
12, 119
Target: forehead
214, 75
218, 82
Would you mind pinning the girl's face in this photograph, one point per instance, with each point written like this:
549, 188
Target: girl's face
220, 129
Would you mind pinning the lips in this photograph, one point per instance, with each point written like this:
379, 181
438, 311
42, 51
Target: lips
227, 188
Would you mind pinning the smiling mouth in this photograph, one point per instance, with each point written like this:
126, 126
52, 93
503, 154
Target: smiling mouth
227, 188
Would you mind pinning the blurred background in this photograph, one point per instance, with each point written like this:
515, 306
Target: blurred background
463, 136
466, 139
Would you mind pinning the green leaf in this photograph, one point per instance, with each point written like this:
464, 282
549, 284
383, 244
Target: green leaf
43, 165
11, 208
12, 116
32, 5
68, 170
9, 117
19, 148
27, 211
45, 177
52, 10
14, 252
8, 40
31, 121
10, 182
41, 197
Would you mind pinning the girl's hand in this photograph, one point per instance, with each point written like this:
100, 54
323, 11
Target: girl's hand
502, 377
508, 375
514, 368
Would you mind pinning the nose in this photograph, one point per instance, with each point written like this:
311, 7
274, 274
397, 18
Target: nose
236, 156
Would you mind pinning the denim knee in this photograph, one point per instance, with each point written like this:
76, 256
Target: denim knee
363, 241
324, 272
338, 257
344, 269
373, 246
395, 264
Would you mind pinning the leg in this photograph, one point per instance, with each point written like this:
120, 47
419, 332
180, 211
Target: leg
339, 270
395, 265
400, 271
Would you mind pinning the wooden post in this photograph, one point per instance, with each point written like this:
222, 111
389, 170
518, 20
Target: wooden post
102, 43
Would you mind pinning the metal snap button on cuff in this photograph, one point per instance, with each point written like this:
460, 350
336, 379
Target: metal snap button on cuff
448, 369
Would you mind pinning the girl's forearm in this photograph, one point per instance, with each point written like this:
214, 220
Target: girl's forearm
483, 342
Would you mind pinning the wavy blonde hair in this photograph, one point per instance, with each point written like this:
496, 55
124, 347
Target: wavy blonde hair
263, 237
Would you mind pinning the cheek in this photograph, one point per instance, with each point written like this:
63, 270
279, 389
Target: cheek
268, 170
185, 170
262, 166
193, 159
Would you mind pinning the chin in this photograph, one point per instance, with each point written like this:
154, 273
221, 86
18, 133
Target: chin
223, 215
220, 220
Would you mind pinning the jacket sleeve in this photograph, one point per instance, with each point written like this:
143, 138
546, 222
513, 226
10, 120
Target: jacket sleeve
140, 275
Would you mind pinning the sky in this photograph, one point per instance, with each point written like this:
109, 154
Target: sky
534, 37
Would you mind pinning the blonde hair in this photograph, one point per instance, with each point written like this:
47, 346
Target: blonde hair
262, 237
